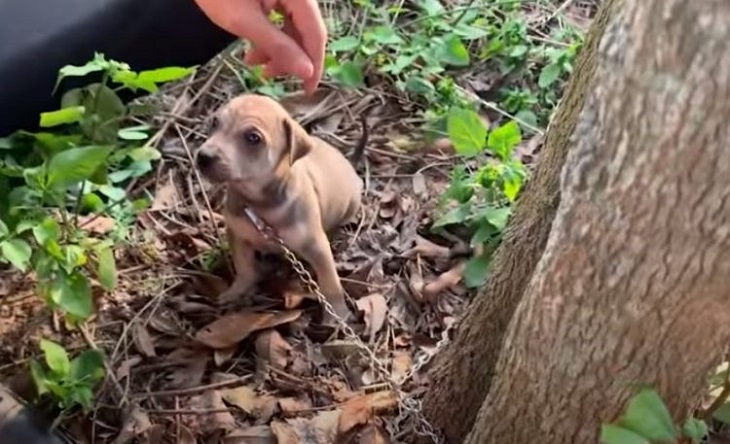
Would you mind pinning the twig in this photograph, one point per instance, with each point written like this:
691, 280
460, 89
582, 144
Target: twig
110, 372
721, 398
193, 390
186, 411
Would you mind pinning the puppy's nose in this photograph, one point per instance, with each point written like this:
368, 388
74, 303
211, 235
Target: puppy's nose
205, 158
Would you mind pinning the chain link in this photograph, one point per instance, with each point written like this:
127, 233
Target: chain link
408, 405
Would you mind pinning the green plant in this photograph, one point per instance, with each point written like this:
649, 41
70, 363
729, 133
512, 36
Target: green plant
56, 182
70, 381
481, 198
647, 421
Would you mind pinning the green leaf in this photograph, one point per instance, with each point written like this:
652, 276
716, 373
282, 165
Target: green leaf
131, 134
344, 44
432, 7
504, 139
62, 116
483, 233
78, 71
527, 116
46, 231
722, 414
39, 377
694, 429
466, 131
17, 252
145, 153
88, 367
56, 357
612, 434
163, 75
456, 215
453, 52
76, 165
350, 74
419, 85
104, 109
476, 271
549, 75
4, 231
518, 51
384, 35
107, 270
498, 217
72, 293
648, 416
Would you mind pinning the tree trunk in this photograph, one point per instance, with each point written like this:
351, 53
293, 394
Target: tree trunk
633, 285
463, 372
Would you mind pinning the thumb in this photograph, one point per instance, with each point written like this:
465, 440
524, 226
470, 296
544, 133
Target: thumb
283, 53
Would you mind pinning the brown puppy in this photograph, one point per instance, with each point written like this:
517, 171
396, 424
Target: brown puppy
298, 184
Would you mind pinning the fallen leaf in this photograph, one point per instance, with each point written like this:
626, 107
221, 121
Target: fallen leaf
445, 281
190, 374
209, 285
261, 434
126, 367
222, 356
272, 348
375, 310
401, 364
219, 417
294, 405
285, 433
97, 224
415, 282
320, 429
427, 249
166, 321
374, 434
232, 329
136, 422
243, 397
143, 341
165, 195
186, 436
419, 185
361, 409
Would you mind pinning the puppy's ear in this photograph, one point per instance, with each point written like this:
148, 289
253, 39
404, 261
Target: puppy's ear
298, 142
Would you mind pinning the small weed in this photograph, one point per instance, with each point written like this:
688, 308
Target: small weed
55, 182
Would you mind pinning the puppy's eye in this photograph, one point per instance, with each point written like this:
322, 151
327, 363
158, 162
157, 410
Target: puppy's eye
252, 137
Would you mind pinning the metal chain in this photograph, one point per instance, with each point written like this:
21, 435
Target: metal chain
407, 404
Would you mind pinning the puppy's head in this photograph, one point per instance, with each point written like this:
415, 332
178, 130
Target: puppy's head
253, 140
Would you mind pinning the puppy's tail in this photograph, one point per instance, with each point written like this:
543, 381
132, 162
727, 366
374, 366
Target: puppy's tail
357, 153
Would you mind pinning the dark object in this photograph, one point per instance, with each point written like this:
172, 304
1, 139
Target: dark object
38, 37
19, 424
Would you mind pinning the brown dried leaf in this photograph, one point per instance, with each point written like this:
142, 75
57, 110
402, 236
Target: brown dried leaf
231, 329
222, 356
126, 367
445, 281
427, 249
272, 348
190, 375
415, 282
374, 434
261, 434
209, 285
321, 429
219, 418
375, 310
166, 321
401, 364
165, 195
143, 341
244, 398
419, 185
97, 224
285, 434
361, 409
136, 423
295, 405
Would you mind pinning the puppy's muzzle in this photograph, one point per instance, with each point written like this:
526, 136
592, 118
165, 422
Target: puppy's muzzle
205, 159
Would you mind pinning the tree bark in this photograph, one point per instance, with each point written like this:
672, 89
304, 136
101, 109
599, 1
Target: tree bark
462, 373
633, 285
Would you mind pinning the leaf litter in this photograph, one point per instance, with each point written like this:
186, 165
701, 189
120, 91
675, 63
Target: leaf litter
192, 371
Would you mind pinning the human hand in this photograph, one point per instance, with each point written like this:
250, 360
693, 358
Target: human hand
297, 49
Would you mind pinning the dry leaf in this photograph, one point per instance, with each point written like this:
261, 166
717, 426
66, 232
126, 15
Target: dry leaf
166, 321
445, 281
186, 436
136, 422
223, 355
285, 433
231, 329
272, 348
126, 367
401, 364
219, 418
143, 341
374, 434
321, 429
361, 409
427, 249
375, 310
295, 405
244, 398
261, 434
415, 282
165, 195
97, 224
189, 375
419, 185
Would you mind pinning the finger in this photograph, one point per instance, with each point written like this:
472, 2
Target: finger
305, 15
255, 57
271, 41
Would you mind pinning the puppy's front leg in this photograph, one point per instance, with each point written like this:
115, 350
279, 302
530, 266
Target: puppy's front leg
317, 252
244, 261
